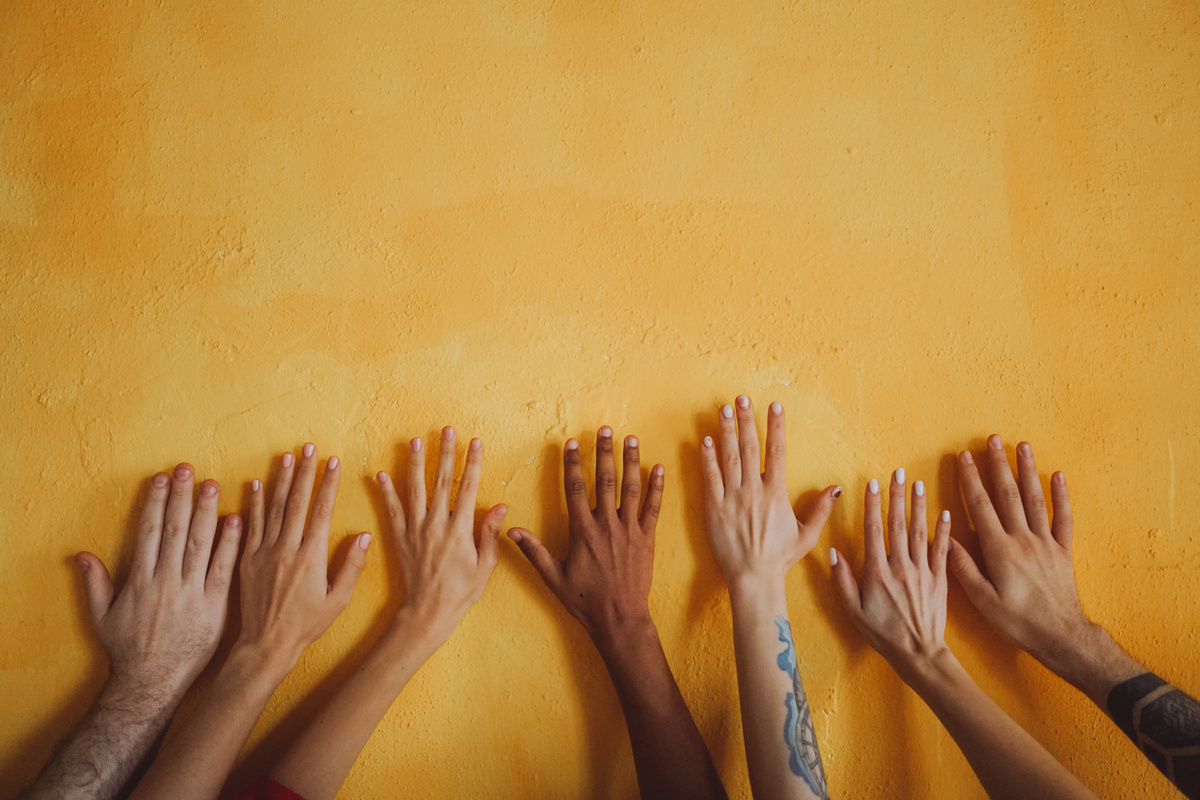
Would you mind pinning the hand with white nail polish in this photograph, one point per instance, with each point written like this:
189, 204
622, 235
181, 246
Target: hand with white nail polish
444, 573
287, 601
159, 633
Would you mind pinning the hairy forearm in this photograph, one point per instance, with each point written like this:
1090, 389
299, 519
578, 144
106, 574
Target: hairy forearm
1008, 761
668, 752
107, 750
316, 764
196, 761
781, 746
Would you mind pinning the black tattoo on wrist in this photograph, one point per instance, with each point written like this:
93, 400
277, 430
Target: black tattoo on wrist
1164, 723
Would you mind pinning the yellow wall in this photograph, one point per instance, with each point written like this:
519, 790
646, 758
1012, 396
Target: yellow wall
230, 227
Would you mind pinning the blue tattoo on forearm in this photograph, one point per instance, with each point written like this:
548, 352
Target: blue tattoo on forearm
805, 758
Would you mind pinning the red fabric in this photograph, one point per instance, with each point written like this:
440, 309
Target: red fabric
267, 789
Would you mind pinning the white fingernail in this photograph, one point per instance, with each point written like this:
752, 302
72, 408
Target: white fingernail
727, 412
832, 557
919, 488
633, 441
873, 486
945, 516
777, 407
900, 476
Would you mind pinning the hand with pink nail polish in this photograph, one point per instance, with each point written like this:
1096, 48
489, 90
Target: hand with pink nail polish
159, 633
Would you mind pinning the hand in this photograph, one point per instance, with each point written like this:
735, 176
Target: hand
164, 626
754, 532
901, 608
286, 596
444, 571
1029, 592
605, 580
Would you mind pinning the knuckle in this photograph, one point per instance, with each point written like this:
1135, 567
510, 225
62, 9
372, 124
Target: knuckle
576, 488
651, 509
776, 449
322, 510
606, 482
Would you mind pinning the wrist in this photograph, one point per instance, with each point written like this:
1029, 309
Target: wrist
1089, 659
758, 590
935, 670
417, 628
261, 662
615, 637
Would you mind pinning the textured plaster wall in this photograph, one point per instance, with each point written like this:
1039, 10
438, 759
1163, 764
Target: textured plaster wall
227, 228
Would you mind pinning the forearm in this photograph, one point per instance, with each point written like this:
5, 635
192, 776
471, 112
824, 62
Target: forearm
108, 749
316, 764
668, 752
199, 756
1007, 760
781, 745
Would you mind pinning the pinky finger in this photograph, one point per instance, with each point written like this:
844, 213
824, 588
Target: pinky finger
714, 485
220, 571
653, 502
940, 548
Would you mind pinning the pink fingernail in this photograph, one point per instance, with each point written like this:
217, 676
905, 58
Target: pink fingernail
476, 444
160, 480
208, 490
994, 442
416, 445
255, 485
631, 441
382, 478
332, 463
572, 444
1060, 478
606, 432
233, 521
743, 401
183, 472
1025, 449
448, 433
287, 459
727, 412
777, 408
501, 510
309, 449
364, 541
966, 457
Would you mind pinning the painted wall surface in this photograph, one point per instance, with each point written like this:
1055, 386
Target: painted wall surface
227, 228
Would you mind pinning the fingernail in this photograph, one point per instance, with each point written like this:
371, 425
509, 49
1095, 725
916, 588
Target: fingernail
84, 564
606, 432
631, 441
287, 459
994, 442
945, 516
309, 449
708, 441
777, 407
515, 535
476, 444
832, 557
837, 492
900, 476
501, 510
160, 480
183, 472
966, 457
1025, 449
659, 470
332, 463
233, 521
382, 478
448, 433
743, 401
255, 485
572, 444
727, 412
364, 541
416, 445
208, 490
1061, 478
919, 488
873, 486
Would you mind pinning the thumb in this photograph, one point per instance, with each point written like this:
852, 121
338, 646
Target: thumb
819, 514
489, 535
978, 588
847, 587
343, 584
98, 586
533, 549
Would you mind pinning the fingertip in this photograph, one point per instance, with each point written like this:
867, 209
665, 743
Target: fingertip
448, 434
160, 480
727, 411
1025, 449
572, 444
364, 540
209, 488
184, 471
743, 401
873, 486
476, 445
776, 408
516, 534
945, 516
994, 442
659, 471
835, 492
966, 457
256, 485
416, 444
382, 478
500, 511
833, 557
287, 460
332, 463
83, 562
309, 449
233, 522
707, 442
1059, 479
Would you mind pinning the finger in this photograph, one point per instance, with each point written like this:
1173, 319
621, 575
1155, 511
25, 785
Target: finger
941, 545
653, 502
714, 484
847, 586
220, 572
416, 484
573, 483
918, 527
278, 508
176, 520
748, 440
818, 515
979, 589
1031, 491
1064, 525
201, 533
1006, 497
391, 501
150, 525
97, 585
731, 459
546, 565
776, 445
489, 538
897, 534
873, 549
295, 515
342, 588
316, 534
443, 481
631, 480
606, 473
979, 505
258, 511
468, 487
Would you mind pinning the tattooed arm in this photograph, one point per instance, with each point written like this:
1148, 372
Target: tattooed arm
901, 610
1029, 595
757, 539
